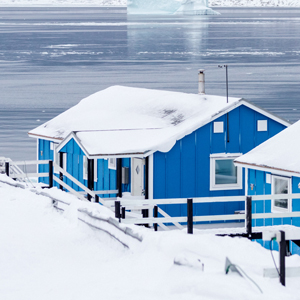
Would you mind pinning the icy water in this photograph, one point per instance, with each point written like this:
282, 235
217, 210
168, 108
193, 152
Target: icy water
50, 58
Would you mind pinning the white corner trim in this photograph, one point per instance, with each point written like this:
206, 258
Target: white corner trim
150, 177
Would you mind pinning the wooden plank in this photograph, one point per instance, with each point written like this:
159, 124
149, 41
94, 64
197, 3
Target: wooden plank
72, 191
163, 213
77, 182
276, 215
30, 162
154, 220
102, 192
273, 197
182, 200
26, 175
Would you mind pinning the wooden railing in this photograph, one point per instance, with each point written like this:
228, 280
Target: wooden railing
12, 170
152, 204
147, 205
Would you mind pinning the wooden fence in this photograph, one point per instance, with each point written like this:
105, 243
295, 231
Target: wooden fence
148, 208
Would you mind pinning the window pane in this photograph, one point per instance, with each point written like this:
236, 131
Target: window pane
281, 187
226, 172
283, 203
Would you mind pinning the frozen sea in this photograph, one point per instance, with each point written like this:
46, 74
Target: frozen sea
50, 58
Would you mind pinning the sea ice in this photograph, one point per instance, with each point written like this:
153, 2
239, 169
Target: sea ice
169, 7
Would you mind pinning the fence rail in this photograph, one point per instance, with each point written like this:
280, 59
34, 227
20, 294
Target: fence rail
147, 205
12, 170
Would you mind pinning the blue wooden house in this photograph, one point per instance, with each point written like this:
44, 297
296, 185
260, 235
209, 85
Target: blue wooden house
158, 144
274, 168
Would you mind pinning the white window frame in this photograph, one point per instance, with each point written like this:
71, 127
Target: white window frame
289, 202
231, 186
85, 167
112, 163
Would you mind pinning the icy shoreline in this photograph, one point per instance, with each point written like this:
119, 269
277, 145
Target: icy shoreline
123, 3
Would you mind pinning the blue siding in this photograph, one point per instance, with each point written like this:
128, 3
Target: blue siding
185, 170
44, 153
258, 178
106, 178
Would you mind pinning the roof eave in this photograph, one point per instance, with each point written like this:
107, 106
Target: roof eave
48, 138
266, 168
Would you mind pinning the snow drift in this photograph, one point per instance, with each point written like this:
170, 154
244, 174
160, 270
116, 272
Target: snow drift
47, 254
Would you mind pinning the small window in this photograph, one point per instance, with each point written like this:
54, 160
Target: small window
112, 163
51, 146
218, 127
280, 186
85, 168
262, 125
224, 175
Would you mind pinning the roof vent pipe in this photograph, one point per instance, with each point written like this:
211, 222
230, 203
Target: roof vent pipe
201, 83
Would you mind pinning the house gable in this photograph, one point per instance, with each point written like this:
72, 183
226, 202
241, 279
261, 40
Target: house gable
184, 171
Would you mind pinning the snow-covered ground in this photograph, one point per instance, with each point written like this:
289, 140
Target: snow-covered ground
47, 254
237, 3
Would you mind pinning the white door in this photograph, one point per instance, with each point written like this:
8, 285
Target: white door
137, 177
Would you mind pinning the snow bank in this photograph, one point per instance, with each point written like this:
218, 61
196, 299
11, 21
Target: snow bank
46, 254
237, 3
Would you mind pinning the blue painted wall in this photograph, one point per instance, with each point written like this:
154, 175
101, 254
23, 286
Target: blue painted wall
106, 178
44, 153
257, 185
184, 172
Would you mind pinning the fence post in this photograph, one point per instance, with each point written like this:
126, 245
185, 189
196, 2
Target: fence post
282, 253
249, 216
117, 209
145, 214
155, 214
190, 216
7, 168
61, 164
50, 173
123, 213
96, 198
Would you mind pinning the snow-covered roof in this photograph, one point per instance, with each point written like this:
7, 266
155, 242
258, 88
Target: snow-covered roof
124, 120
280, 153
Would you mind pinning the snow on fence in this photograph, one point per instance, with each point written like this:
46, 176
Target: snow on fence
152, 204
12, 170
124, 208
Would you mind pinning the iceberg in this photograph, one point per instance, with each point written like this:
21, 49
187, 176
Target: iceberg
190, 7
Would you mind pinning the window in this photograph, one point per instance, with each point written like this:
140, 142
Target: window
262, 125
224, 175
112, 163
281, 185
218, 127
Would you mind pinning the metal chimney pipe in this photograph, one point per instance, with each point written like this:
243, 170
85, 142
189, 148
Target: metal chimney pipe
201, 82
